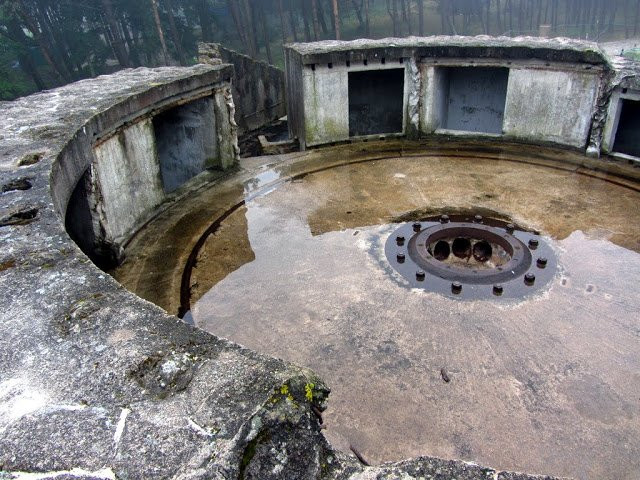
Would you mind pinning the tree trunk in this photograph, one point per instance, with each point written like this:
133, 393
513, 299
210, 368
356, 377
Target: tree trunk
358, 11
48, 55
292, 21
612, 18
31, 71
323, 23
367, 25
156, 18
133, 53
56, 40
406, 16
635, 18
118, 43
175, 34
305, 20
336, 19
421, 18
265, 34
393, 13
250, 18
498, 18
205, 21
283, 24
235, 14
314, 16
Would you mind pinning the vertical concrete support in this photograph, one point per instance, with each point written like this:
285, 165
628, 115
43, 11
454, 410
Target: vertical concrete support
326, 104
413, 89
434, 94
551, 106
126, 177
227, 129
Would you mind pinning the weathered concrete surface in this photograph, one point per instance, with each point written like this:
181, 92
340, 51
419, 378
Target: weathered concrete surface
126, 174
298, 274
436, 98
186, 142
96, 382
258, 88
554, 107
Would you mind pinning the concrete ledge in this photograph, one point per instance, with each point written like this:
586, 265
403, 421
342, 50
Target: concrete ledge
96, 383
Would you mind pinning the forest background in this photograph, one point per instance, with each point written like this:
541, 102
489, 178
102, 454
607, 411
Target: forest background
48, 43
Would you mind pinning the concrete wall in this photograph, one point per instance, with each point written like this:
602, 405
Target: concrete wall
135, 165
127, 175
186, 142
258, 88
326, 104
323, 92
538, 91
550, 106
475, 98
613, 117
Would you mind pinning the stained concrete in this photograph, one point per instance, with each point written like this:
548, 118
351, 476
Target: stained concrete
127, 175
555, 87
550, 106
258, 88
475, 98
95, 382
186, 142
301, 275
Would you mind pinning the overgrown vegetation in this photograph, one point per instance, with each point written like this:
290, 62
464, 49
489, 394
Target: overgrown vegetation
47, 43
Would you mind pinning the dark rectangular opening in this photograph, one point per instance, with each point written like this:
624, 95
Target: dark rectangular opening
186, 141
476, 98
628, 133
376, 100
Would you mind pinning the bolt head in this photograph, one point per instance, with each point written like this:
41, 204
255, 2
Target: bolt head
533, 243
400, 240
477, 219
417, 227
529, 279
510, 228
400, 257
444, 218
456, 287
542, 262
498, 289
420, 275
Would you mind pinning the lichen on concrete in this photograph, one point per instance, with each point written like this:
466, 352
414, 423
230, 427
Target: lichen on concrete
96, 383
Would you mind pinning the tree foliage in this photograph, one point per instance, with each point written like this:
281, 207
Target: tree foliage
46, 43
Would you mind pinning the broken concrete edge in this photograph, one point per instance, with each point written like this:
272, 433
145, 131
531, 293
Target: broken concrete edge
97, 383
258, 87
545, 49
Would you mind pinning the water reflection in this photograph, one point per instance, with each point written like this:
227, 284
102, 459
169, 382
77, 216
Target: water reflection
549, 384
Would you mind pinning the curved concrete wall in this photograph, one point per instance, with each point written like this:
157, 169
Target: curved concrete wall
96, 383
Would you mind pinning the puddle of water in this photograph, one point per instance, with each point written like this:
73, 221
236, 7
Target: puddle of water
548, 385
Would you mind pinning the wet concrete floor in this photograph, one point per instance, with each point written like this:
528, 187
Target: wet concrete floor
549, 384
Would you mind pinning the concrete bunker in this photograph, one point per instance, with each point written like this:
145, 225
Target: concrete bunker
138, 164
474, 98
545, 93
376, 100
627, 136
64, 313
186, 142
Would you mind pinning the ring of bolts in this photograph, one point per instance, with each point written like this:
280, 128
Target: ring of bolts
485, 252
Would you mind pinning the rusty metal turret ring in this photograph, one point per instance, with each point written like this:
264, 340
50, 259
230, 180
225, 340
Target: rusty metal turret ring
471, 257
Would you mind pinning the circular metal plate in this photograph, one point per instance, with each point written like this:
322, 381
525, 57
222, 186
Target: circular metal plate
532, 263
